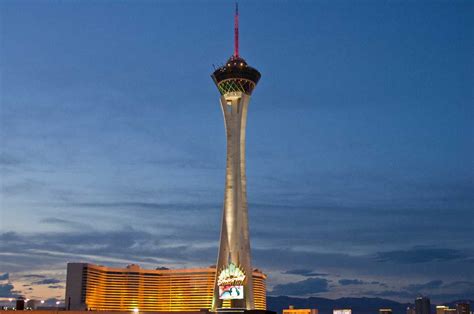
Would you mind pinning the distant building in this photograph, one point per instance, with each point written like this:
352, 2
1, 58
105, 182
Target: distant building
385, 311
422, 305
342, 311
100, 288
441, 309
31, 304
291, 310
20, 304
411, 310
463, 308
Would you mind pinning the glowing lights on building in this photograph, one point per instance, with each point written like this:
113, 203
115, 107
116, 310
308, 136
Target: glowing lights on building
136, 290
291, 310
342, 311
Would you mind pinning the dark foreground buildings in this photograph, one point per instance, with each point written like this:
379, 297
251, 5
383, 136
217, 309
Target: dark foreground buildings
422, 305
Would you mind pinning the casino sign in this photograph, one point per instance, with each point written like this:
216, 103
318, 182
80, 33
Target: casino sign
230, 282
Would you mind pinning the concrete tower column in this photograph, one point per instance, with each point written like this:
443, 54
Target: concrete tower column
235, 241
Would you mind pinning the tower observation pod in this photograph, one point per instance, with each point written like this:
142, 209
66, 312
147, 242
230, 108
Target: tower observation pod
233, 289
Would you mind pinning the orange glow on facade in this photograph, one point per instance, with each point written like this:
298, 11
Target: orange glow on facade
102, 288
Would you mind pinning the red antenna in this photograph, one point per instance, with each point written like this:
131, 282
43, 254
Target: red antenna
236, 31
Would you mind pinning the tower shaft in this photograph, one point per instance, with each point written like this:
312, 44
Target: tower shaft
235, 81
235, 242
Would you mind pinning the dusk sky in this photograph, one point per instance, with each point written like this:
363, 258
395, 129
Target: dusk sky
360, 158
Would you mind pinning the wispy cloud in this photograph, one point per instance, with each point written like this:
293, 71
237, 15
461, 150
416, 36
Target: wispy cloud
436, 289
56, 286
66, 223
418, 288
47, 281
347, 282
33, 276
310, 286
304, 272
421, 255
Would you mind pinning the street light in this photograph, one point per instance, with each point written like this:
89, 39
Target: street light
135, 310
57, 306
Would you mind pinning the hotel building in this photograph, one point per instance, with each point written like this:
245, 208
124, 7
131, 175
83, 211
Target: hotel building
95, 287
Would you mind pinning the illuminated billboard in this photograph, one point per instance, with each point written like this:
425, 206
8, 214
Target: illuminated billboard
231, 292
230, 282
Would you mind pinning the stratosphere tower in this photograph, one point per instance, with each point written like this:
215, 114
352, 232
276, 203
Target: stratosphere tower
236, 81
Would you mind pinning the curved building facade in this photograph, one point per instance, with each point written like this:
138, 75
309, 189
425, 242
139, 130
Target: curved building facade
95, 287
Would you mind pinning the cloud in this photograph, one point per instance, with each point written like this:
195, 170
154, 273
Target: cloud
346, 282
420, 255
304, 272
126, 245
117, 247
47, 281
392, 293
33, 276
4, 276
65, 223
434, 284
56, 286
9, 160
436, 289
455, 291
6, 291
379, 283
305, 287
153, 206
9, 236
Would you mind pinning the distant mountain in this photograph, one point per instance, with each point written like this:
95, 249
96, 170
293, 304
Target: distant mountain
358, 305
325, 306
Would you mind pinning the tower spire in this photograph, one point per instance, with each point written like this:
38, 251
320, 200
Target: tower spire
236, 30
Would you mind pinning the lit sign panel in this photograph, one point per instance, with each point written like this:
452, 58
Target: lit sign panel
230, 282
231, 292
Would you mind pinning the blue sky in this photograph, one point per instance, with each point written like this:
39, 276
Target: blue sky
359, 143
